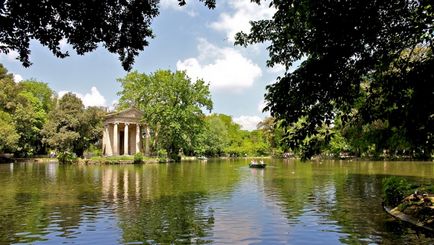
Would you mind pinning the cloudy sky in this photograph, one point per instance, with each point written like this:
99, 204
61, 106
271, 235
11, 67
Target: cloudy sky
191, 38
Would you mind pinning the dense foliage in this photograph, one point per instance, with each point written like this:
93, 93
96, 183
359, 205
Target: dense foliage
394, 190
172, 107
122, 27
23, 108
71, 128
8, 135
368, 63
223, 137
34, 121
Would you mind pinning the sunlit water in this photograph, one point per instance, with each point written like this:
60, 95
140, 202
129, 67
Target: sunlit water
222, 202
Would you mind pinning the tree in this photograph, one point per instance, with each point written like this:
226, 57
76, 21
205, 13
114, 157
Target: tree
213, 139
8, 90
123, 27
41, 91
172, 107
93, 125
71, 128
30, 118
27, 103
341, 44
62, 131
8, 135
34, 101
274, 135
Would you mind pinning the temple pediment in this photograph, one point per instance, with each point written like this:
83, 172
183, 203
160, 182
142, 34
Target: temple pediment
131, 115
128, 113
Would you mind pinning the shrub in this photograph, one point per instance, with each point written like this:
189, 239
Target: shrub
66, 157
162, 153
394, 190
138, 157
93, 151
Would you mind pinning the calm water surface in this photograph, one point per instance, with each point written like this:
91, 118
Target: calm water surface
222, 202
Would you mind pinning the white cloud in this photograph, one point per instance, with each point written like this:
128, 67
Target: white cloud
244, 11
62, 93
248, 122
94, 98
11, 56
169, 4
17, 78
113, 106
224, 68
261, 105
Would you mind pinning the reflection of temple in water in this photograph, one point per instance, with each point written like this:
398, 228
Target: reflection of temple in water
126, 184
116, 184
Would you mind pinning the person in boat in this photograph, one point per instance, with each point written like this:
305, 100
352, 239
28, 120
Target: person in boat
253, 162
262, 162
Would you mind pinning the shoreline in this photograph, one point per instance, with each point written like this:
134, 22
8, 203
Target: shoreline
148, 160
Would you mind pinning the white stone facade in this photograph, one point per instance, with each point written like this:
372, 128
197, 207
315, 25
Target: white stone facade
122, 133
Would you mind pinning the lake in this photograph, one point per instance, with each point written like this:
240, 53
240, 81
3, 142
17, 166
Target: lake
217, 201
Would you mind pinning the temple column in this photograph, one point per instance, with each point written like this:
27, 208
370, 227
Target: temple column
106, 141
115, 139
126, 139
137, 138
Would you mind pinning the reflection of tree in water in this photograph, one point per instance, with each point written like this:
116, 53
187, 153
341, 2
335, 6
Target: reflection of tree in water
169, 219
30, 213
358, 211
346, 194
357, 202
293, 182
33, 201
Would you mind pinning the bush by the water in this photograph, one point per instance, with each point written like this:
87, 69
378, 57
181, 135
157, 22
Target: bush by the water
138, 158
395, 189
66, 157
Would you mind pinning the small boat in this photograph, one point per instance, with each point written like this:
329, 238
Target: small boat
394, 212
257, 165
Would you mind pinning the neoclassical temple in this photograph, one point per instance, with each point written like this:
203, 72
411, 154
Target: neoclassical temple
122, 133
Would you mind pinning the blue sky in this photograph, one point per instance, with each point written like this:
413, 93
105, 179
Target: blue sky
191, 38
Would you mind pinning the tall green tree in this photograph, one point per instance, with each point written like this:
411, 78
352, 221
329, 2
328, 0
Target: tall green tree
62, 131
172, 105
30, 118
93, 125
34, 101
8, 135
73, 128
41, 91
27, 103
8, 90
274, 135
342, 43
213, 139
